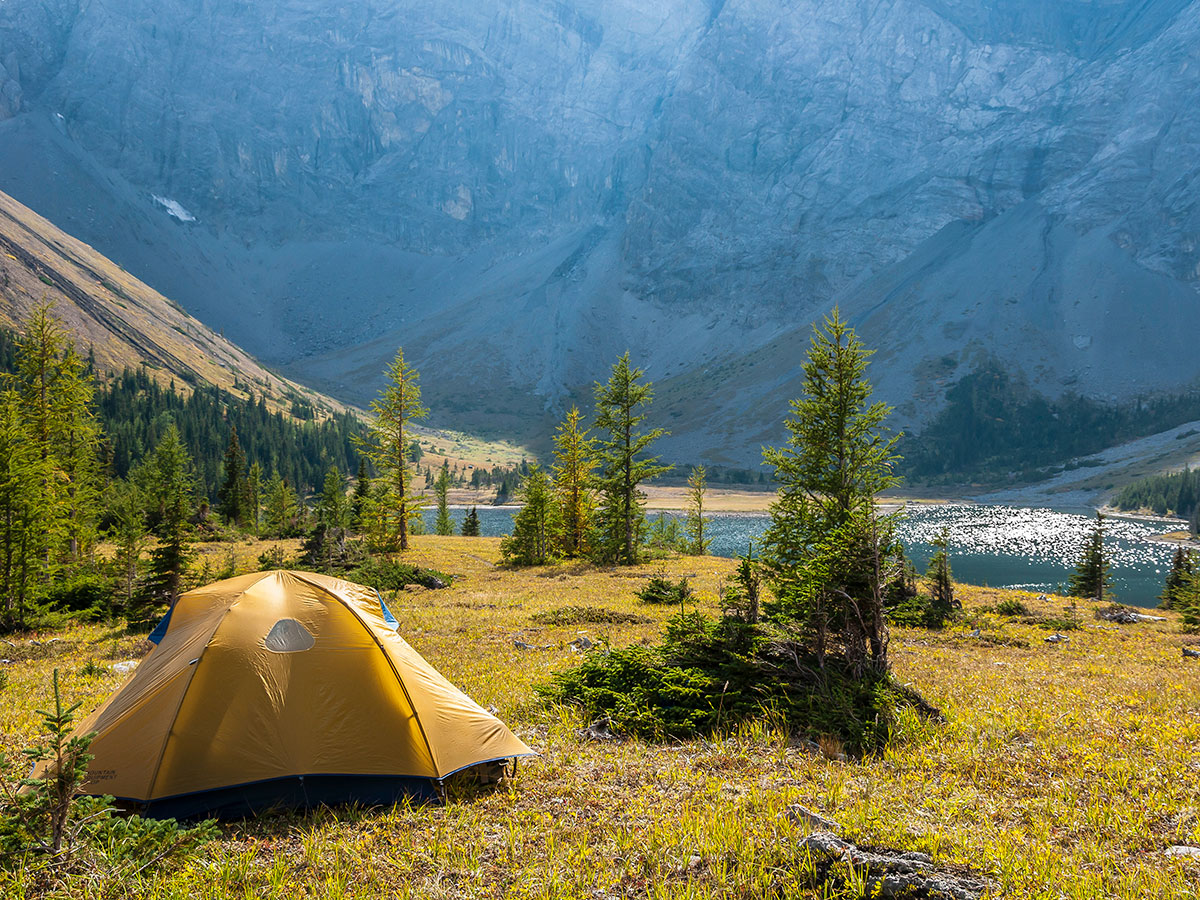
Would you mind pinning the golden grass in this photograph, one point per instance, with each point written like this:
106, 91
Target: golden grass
1063, 770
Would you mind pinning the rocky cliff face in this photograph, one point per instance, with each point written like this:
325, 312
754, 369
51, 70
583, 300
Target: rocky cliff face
518, 190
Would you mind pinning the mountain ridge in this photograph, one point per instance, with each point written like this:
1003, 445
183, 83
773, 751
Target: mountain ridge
517, 193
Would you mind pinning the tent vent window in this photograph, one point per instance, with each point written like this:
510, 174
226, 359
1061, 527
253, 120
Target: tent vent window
288, 636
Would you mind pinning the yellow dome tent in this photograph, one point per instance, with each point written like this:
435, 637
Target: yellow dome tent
284, 688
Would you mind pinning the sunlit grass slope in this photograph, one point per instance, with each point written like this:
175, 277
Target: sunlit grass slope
1062, 771
122, 320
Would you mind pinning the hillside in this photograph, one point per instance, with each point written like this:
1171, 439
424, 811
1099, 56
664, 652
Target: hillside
517, 192
123, 322
1063, 770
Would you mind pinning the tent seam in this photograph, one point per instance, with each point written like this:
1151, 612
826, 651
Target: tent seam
391, 665
195, 667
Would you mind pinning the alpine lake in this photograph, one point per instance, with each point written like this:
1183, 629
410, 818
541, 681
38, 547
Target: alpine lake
1032, 549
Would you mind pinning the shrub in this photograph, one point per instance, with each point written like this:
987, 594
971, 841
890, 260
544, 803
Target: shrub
708, 675
390, 575
1011, 606
586, 615
661, 591
84, 595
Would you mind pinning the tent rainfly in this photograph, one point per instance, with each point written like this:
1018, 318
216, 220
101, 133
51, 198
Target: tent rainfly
284, 689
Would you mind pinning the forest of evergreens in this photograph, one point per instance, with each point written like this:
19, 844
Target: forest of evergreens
994, 427
1173, 494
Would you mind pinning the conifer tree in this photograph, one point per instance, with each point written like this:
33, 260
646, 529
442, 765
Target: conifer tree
942, 603
55, 392
697, 488
470, 526
281, 515
441, 489
169, 473
232, 494
25, 516
254, 492
1187, 603
362, 490
127, 512
77, 452
387, 445
826, 548
574, 460
624, 462
535, 527
1092, 579
1183, 566
333, 509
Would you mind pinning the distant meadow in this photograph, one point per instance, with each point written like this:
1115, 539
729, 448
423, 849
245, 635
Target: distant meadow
997, 546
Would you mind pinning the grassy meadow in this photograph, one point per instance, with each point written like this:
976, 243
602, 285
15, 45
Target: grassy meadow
1063, 770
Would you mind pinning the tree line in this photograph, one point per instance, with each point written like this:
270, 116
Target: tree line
993, 426
1175, 494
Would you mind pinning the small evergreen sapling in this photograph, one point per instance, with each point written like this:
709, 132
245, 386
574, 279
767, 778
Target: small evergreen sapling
1092, 579
1183, 566
470, 526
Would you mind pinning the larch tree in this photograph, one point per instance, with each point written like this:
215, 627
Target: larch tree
441, 490
387, 445
826, 547
697, 490
624, 462
24, 515
574, 461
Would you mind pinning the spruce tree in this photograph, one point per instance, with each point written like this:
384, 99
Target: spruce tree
697, 488
826, 548
254, 492
127, 513
232, 494
624, 462
574, 460
535, 527
470, 526
388, 445
169, 474
441, 490
362, 490
1183, 566
941, 601
1091, 579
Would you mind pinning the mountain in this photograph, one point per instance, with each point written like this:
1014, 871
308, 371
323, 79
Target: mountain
519, 191
121, 321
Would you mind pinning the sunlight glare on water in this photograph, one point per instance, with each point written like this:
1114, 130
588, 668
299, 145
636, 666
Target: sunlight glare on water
1001, 546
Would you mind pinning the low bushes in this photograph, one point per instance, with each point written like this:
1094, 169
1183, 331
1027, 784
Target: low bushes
712, 674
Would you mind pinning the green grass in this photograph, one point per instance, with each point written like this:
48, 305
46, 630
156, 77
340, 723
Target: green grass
1062, 770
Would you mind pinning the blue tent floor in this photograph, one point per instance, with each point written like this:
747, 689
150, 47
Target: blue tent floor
292, 792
